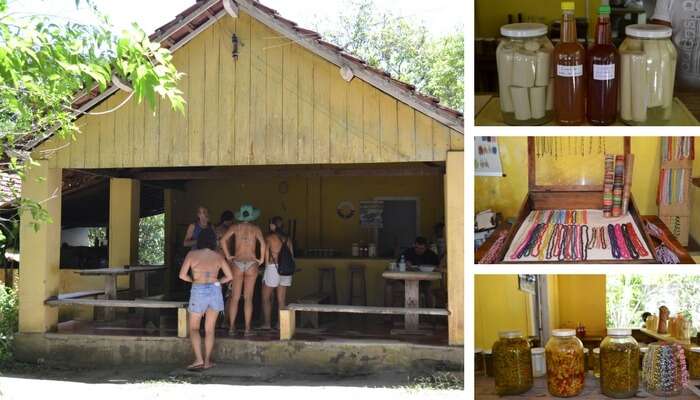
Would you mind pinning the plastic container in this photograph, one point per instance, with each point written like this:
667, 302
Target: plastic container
619, 364
479, 362
565, 365
569, 58
647, 74
603, 68
595, 362
539, 365
523, 58
694, 362
664, 369
512, 364
488, 363
642, 353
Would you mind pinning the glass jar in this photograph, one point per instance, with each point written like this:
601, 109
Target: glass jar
539, 365
642, 353
525, 80
648, 71
565, 369
512, 363
488, 362
586, 358
595, 362
479, 362
694, 362
664, 372
619, 364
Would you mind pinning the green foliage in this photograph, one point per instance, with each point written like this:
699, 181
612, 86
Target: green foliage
152, 240
629, 295
9, 317
97, 234
404, 48
45, 64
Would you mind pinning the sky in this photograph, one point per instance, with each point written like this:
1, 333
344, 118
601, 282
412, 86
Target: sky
440, 16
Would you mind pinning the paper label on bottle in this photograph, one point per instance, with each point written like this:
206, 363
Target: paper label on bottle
603, 72
569, 71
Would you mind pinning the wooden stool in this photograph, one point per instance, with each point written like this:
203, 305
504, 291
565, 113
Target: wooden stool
357, 272
326, 283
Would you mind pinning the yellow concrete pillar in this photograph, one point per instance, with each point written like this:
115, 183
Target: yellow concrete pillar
40, 251
124, 207
454, 231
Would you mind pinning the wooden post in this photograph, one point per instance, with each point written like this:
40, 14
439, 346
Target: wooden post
169, 205
40, 251
411, 321
454, 230
110, 294
287, 324
182, 328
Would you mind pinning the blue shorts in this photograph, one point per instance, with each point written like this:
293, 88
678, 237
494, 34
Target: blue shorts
204, 296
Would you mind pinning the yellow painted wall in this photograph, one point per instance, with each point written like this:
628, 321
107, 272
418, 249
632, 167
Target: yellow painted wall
312, 201
499, 306
491, 15
573, 299
695, 193
506, 194
276, 104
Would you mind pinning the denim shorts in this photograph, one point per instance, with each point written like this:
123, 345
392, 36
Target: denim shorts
204, 296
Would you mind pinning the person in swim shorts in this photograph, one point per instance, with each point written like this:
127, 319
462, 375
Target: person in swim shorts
245, 263
205, 296
272, 280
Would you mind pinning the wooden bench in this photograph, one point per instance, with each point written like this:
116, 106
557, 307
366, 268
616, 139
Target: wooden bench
288, 316
311, 318
82, 301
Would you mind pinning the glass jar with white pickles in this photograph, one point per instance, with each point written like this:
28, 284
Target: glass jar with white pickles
648, 71
525, 80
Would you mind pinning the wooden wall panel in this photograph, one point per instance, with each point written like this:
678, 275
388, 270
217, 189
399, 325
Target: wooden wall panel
276, 103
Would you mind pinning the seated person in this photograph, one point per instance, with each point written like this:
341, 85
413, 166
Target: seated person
417, 255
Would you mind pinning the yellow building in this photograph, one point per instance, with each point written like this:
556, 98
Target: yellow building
280, 119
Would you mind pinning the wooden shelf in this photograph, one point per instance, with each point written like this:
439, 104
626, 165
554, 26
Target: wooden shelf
665, 338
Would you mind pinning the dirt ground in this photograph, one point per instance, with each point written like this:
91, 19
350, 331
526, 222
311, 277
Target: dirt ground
24, 381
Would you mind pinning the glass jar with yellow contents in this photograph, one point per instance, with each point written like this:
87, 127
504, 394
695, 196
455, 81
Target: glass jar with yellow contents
512, 363
619, 364
565, 365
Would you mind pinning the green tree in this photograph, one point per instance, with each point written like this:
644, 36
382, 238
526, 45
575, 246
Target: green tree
45, 64
404, 48
152, 240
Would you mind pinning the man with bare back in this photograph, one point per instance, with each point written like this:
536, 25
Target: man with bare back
205, 296
245, 263
272, 280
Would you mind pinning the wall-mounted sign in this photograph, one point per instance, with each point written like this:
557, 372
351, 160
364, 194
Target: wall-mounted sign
371, 214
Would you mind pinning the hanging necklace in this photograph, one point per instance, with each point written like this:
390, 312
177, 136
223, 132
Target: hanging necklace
614, 250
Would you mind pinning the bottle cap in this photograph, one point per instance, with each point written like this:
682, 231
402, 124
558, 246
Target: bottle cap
568, 6
596, 350
509, 334
648, 31
523, 30
619, 332
604, 9
563, 332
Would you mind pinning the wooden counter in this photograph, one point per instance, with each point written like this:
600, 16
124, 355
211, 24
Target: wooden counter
489, 114
485, 389
664, 338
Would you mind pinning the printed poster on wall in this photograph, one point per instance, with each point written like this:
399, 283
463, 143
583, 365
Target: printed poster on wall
371, 213
487, 156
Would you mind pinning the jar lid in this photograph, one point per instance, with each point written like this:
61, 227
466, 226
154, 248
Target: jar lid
487, 352
568, 6
596, 350
477, 350
537, 350
563, 332
524, 30
619, 332
509, 334
604, 9
695, 349
648, 31
585, 350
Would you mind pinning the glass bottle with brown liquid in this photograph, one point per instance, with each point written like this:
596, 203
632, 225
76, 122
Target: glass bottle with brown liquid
602, 70
569, 79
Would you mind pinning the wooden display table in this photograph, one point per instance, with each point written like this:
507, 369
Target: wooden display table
488, 113
411, 279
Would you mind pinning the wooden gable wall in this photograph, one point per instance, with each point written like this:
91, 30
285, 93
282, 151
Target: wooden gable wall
276, 104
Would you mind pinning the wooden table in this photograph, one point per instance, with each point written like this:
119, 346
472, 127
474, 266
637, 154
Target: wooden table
110, 276
412, 294
489, 114
684, 257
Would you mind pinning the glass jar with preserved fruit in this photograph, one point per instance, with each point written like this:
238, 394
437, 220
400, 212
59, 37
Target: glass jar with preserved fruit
595, 362
619, 364
523, 60
665, 372
565, 369
694, 362
512, 363
647, 74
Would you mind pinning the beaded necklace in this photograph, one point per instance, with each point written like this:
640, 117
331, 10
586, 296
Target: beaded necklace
621, 242
628, 241
584, 242
614, 249
635, 240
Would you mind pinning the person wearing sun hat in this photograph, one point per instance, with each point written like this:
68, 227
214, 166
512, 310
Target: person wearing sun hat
245, 261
